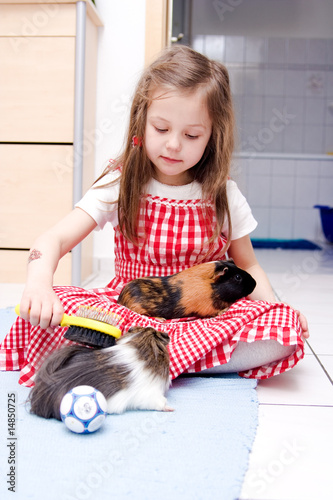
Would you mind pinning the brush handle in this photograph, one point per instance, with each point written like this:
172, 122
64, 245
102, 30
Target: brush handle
90, 324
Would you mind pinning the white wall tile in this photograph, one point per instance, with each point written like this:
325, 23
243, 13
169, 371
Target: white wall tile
275, 144
276, 50
326, 168
273, 108
283, 192
296, 106
252, 109
295, 83
305, 224
255, 49
238, 112
306, 192
307, 168
313, 140
239, 167
329, 111
249, 137
198, 43
325, 191
236, 80
296, 50
284, 168
274, 82
234, 49
316, 51
315, 83
315, 111
262, 216
293, 139
281, 223
329, 82
214, 46
254, 81
298, 91
259, 191
328, 139
260, 166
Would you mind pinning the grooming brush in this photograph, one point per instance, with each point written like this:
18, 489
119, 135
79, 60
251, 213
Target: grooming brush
91, 326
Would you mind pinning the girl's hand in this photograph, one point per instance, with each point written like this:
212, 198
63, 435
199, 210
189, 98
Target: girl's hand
42, 308
304, 324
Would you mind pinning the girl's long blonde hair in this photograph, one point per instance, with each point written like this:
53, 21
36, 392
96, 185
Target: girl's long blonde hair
182, 69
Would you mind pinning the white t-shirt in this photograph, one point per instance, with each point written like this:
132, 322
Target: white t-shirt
98, 203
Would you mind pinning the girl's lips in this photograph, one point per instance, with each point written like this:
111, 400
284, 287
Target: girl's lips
170, 160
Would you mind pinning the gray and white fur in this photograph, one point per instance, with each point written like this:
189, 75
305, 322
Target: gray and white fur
133, 374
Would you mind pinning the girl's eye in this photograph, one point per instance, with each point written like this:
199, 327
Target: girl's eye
192, 136
161, 130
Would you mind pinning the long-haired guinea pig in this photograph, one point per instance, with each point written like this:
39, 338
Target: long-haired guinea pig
133, 374
204, 290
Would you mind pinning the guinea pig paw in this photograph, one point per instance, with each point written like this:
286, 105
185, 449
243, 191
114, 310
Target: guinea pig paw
162, 405
168, 408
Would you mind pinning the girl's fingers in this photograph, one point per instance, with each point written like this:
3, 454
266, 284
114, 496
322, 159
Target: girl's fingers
57, 314
304, 324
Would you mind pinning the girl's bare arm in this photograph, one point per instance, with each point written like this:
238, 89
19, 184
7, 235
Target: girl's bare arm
39, 304
241, 251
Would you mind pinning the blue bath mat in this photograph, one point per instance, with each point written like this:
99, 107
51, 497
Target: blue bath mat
285, 244
199, 451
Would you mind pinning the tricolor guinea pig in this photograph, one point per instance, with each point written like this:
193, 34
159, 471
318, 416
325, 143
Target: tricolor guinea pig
203, 291
133, 374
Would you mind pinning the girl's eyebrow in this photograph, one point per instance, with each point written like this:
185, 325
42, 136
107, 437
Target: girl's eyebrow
188, 125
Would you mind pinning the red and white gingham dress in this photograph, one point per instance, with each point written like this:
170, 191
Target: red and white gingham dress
176, 238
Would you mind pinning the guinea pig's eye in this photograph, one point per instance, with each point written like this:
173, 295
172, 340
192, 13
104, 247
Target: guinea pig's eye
238, 277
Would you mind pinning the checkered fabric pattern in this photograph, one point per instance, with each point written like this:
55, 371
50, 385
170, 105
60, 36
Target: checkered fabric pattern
175, 236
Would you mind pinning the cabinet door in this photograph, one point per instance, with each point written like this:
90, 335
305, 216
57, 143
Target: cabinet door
13, 267
26, 18
37, 89
36, 191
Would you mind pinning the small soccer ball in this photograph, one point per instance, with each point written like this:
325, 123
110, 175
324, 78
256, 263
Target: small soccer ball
83, 409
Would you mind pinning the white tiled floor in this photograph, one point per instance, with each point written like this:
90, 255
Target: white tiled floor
292, 455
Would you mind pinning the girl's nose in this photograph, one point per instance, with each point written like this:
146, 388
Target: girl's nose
173, 143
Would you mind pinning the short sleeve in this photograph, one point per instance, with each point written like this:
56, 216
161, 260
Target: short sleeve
100, 201
242, 220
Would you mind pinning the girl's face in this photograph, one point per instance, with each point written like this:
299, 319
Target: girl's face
178, 129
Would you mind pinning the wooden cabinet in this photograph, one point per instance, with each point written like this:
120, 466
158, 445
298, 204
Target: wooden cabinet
48, 57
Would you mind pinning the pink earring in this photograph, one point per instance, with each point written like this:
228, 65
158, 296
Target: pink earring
136, 141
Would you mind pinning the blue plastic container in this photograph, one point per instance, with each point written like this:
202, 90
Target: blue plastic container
326, 214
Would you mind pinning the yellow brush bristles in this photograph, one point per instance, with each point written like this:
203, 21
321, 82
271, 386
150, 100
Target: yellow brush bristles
103, 315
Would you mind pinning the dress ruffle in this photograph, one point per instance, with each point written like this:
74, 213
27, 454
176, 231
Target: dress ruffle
195, 344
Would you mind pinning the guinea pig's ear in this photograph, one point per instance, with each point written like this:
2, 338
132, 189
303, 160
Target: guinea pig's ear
231, 261
220, 272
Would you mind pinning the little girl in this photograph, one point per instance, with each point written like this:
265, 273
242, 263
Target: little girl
172, 205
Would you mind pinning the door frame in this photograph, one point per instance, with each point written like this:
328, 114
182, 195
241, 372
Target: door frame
158, 28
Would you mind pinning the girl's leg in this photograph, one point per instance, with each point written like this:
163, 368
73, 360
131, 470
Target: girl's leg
247, 356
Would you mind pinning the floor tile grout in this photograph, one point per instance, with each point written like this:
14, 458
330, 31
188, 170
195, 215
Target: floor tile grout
320, 363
